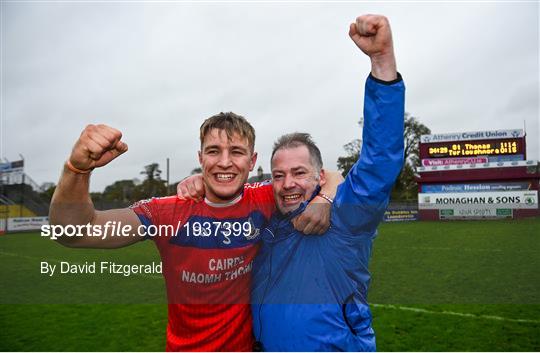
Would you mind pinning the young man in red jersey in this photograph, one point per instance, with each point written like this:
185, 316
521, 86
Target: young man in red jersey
207, 248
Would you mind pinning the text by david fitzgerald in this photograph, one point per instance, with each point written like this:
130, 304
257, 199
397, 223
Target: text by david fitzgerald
103, 267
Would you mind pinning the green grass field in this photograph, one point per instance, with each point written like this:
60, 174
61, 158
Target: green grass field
437, 286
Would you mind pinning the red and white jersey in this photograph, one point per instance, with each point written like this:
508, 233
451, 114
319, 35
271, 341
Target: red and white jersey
207, 251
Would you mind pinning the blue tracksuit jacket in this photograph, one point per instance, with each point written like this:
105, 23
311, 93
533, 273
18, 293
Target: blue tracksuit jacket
310, 292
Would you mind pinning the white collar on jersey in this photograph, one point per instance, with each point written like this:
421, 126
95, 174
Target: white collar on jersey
223, 204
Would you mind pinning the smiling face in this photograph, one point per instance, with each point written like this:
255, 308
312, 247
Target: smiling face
294, 177
226, 163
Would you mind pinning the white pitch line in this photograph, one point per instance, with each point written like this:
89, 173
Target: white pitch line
76, 263
441, 248
452, 313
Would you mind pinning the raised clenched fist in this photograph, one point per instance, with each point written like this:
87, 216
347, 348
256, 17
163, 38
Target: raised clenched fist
97, 146
372, 34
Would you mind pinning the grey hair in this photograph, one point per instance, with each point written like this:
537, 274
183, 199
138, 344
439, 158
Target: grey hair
297, 139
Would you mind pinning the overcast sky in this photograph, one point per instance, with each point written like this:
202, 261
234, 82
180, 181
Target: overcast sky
155, 71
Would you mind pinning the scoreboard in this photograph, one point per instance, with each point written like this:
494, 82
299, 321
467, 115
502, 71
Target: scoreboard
490, 144
473, 148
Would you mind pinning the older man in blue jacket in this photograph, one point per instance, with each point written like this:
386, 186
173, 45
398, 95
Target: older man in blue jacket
310, 293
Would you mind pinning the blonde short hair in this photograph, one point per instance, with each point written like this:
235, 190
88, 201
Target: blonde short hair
232, 124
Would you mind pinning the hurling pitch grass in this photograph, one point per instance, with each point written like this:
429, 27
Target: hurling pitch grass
437, 286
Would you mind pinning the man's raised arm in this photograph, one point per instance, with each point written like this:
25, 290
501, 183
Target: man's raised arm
363, 197
71, 203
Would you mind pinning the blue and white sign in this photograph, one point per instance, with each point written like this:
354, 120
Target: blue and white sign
26, 223
477, 135
506, 158
441, 188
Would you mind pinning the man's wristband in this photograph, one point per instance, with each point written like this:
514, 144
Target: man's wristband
326, 197
77, 170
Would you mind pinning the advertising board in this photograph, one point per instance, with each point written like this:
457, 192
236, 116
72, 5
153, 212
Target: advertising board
26, 223
10, 167
532, 164
506, 158
429, 162
476, 135
478, 187
503, 199
391, 215
475, 212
